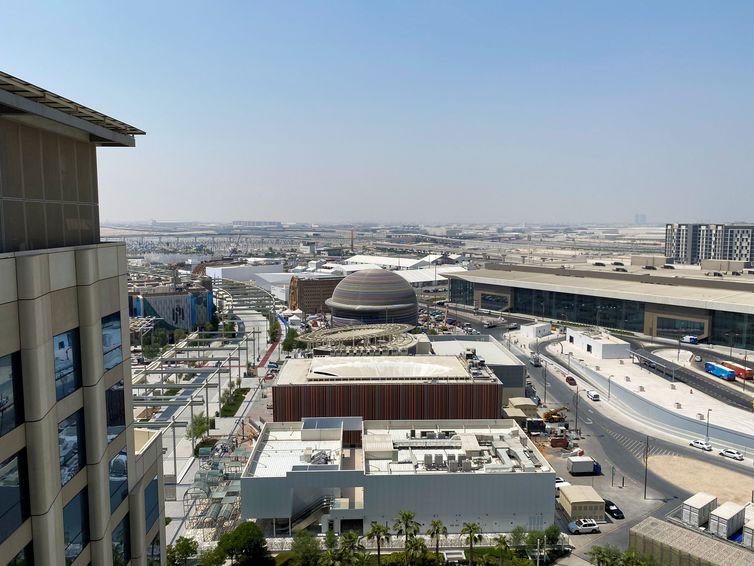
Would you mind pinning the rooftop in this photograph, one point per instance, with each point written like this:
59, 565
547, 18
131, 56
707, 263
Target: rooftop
706, 293
23, 98
487, 347
579, 493
376, 369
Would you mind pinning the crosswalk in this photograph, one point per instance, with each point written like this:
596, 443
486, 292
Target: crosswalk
636, 447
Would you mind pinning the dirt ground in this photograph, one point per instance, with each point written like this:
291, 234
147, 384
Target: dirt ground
694, 475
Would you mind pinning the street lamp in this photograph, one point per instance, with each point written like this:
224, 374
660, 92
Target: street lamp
544, 374
576, 425
609, 382
706, 436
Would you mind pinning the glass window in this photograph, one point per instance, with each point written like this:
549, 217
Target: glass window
118, 479
677, 328
494, 302
151, 504
67, 363
115, 400
71, 443
11, 404
112, 350
76, 525
153, 552
121, 543
24, 558
13, 494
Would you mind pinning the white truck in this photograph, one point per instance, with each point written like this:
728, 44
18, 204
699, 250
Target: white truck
583, 465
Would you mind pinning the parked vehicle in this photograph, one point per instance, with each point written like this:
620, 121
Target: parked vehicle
742, 372
701, 444
559, 484
490, 324
619, 263
650, 267
583, 465
599, 264
593, 395
732, 454
613, 510
720, 371
583, 526
513, 326
697, 358
535, 361
621, 270
690, 340
273, 365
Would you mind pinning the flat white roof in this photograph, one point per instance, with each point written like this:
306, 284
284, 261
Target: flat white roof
400, 262
491, 350
657, 289
375, 369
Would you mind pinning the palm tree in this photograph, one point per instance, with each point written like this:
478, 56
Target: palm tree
380, 534
361, 559
406, 526
501, 545
436, 530
415, 550
330, 557
473, 534
350, 544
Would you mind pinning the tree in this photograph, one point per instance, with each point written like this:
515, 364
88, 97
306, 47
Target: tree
306, 549
350, 544
552, 534
501, 545
198, 426
473, 534
179, 335
183, 549
292, 342
406, 526
415, 550
436, 530
380, 534
331, 540
534, 539
246, 546
605, 555
517, 537
361, 559
330, 557
214, 557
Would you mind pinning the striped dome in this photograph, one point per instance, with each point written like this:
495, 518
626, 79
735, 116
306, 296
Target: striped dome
373, 296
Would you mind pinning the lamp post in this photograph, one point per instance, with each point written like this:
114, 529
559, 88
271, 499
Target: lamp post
544, 374
576, 425
609, 383
706, 436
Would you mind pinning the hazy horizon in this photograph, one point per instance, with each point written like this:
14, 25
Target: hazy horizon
408, 112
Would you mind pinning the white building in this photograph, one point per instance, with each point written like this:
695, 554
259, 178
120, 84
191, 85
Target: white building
243, 271
599, 344
457, 471
536, 330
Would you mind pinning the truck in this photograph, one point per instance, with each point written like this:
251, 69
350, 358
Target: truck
742, 372
583, 465
690, 340
720, 371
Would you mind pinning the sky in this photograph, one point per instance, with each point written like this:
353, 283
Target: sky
396, 111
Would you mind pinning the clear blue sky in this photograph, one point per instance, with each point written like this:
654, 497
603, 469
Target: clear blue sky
408, 111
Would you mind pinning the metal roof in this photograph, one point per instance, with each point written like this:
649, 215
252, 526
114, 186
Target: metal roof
28, 91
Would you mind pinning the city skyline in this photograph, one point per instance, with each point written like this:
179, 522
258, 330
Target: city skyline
422, 113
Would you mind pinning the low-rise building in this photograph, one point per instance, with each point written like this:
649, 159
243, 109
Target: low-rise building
599, 344
346, 473
536, 330
582, 502
310, 293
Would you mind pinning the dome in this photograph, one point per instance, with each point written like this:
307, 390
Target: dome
373, 296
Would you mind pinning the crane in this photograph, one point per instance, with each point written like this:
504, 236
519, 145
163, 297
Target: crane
554, 416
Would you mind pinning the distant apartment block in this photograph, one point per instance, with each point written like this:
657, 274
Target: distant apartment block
80, 484
694, 243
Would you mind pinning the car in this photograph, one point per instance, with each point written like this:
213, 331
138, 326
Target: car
583, 526
621, 270
613, 510
490, 324
570, 380
559, 484
513, 326
272, 365
593, 395
698, 358
732, 454
701, 444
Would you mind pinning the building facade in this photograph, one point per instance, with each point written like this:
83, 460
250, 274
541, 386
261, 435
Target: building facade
694, 243
309, 294
80, 484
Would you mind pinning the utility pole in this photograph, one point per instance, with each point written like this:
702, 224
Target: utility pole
544, 374
646, 466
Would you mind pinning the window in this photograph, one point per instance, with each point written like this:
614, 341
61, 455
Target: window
23, 558
112, 350
121, 543
151, 504
153, 552
11, 404
118, 479
115, 401
13, 494
76, 525
67, 363
71, 444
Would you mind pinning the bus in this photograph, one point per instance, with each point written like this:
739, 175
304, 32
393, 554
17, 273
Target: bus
720, 371
742, 372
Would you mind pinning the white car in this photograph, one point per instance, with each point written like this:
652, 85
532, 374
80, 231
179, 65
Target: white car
593, 395
697, 358
583, 526
732, 454
701, 444
560, 482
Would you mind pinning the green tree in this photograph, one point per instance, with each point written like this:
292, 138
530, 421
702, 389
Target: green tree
292, 342
415, 551
605, 555
214, 557
183, 549
435, 531
198, 427
406, 526
531, 539
473, 534
350, 544
330, 557
306, 549
361, 559
246, 546
517, 537
552, 535
381, 535
179, 335
331, 540
501, 545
